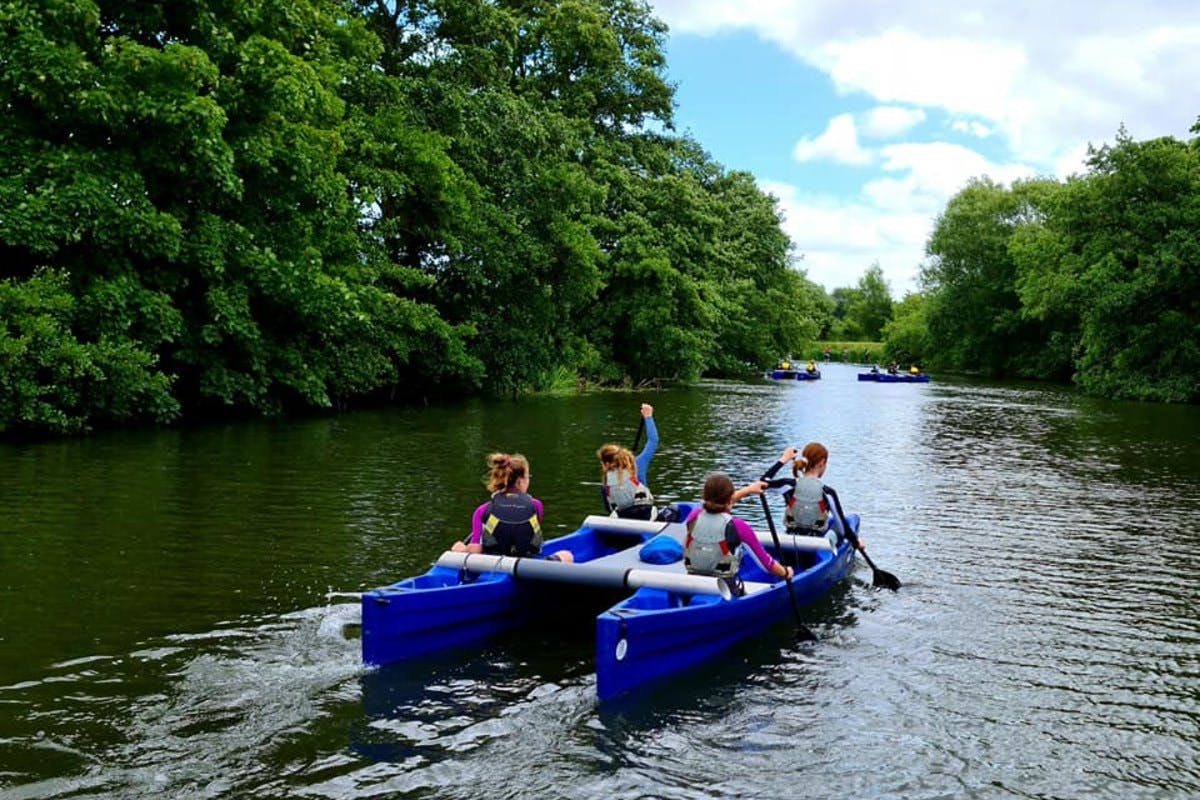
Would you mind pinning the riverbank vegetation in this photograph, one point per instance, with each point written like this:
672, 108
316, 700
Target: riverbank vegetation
1094, 280
251, 207
859, 352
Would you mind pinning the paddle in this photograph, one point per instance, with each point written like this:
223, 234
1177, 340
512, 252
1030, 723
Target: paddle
879, 576
801, 630
638, 436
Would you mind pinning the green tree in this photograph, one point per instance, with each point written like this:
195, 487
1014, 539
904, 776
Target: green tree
218, 206
654, 315
843, 324
975, 315
870, 307
180, 163
906, 335
1118, 254
50, 380
533, 100
769, 310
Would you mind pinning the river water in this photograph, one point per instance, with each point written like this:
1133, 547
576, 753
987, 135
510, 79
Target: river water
178, 613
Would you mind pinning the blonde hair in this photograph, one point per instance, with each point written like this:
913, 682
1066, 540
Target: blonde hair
718, 491
814, 453
613, 456
504, 471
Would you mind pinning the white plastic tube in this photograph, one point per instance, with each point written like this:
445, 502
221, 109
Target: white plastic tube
790, 542
678, 530
585, 573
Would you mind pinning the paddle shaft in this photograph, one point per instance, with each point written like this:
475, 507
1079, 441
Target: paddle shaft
879, 576
801, 629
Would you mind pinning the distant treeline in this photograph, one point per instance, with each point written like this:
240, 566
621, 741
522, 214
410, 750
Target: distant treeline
232, 206
1094, 280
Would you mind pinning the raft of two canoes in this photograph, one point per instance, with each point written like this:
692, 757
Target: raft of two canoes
795, 375
887, 377
668, 620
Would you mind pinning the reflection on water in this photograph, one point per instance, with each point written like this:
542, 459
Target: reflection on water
1045, 643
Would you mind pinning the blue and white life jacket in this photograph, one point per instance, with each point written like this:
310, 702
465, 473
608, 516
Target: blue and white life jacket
627, 497
713, 546
511, 526
808, 513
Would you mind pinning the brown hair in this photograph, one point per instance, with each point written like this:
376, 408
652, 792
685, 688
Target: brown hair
504, 471
613, 456
718, 491
814, 453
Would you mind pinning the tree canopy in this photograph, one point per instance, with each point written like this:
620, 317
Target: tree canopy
1093, 279
251, 207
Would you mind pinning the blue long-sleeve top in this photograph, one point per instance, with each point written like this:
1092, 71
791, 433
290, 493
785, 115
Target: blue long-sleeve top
643, 458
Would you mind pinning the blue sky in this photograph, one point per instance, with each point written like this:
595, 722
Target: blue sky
864, 117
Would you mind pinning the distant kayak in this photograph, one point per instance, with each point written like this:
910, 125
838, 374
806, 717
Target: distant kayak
884, 377
795, 375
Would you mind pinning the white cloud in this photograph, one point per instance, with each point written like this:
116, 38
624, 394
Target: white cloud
838, 143
972, 127
840, 239
885, 122
1045, 76
1073, 163
938, 170
889, 220
956, 74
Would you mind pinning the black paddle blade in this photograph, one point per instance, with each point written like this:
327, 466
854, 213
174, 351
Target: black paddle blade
886, 580
881, 577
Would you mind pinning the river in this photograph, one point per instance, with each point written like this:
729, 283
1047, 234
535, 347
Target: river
178, 613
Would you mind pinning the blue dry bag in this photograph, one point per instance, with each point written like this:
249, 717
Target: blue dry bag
662, 549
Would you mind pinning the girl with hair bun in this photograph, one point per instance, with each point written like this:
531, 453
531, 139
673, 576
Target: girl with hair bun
510, 522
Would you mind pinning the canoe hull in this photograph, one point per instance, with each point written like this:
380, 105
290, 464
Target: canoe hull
653, 634
435, 612
447, 608
883, 377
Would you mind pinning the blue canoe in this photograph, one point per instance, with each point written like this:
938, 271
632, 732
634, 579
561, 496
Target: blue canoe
655, 634
668, 621
795, 375
884, 377
450, 607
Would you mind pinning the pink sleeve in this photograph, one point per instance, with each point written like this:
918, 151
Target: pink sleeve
750, 539
541, 511
477, 524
